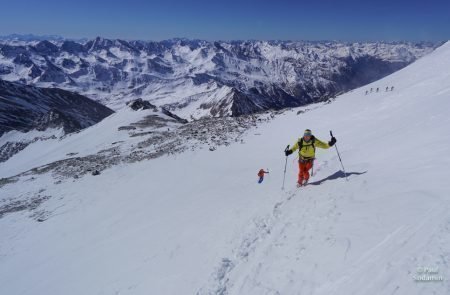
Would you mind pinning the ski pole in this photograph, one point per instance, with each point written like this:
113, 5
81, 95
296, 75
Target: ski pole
285, 164
340, 160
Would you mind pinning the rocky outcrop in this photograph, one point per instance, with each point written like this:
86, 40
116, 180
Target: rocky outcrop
25, 108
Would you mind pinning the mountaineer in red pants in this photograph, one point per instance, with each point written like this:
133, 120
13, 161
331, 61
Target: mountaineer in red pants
306, 147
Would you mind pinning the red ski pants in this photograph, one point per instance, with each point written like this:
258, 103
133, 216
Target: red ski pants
304, 167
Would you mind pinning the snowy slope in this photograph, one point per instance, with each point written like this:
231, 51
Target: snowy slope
123, 130
198, 223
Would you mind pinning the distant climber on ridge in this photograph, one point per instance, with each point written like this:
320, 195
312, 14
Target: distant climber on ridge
306, 147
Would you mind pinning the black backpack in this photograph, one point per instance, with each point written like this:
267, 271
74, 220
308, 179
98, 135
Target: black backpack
300, 143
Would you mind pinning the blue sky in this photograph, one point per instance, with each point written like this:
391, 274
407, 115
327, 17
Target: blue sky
347, 20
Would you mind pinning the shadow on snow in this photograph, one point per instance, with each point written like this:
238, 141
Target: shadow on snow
336, 175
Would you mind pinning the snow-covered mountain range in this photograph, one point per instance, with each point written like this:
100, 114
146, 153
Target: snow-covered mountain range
144, 202
195, 78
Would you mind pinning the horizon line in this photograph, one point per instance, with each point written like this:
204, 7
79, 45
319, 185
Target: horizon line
56, 37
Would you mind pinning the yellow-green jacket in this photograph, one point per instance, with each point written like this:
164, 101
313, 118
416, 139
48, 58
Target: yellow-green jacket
308, 150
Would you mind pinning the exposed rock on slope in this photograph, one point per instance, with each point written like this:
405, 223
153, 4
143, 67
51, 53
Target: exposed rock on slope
25, 108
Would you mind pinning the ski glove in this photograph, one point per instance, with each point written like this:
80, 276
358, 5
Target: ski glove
332, 141
288, 152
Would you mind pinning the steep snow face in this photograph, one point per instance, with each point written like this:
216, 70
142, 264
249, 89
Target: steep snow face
205, 79
197, 222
